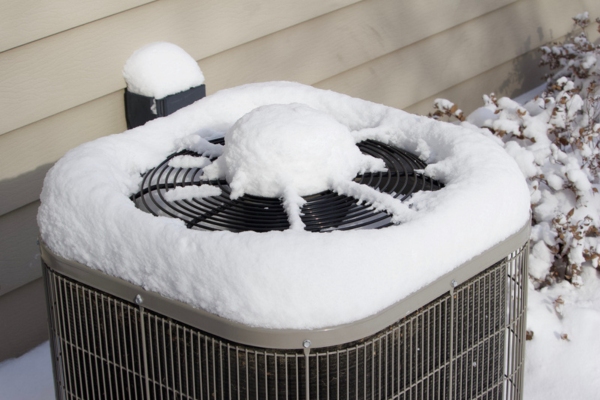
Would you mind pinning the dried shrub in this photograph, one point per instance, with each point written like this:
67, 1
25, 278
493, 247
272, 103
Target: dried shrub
555, 140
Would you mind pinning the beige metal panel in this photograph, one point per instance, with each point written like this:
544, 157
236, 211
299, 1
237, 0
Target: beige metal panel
24, 321
61, 71
26, 154
19, 253
327, 45
510, 79
23, 21
423, 69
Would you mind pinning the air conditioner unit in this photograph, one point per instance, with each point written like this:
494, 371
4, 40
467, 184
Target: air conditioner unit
460, 336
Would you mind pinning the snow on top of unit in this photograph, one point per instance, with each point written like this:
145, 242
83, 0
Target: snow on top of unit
187, 161
281, 146
294, 278
191, 192
161, 69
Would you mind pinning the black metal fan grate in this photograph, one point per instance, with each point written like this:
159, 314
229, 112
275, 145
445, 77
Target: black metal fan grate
323, 211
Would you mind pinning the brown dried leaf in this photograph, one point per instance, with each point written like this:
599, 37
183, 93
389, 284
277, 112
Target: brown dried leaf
529, 335
570, 213
559, 301
564, 336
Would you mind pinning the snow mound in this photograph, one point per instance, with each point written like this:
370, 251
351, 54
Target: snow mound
290, 279
161, 69
278, 147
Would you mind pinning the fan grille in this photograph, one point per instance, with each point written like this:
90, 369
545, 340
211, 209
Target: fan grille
322, 212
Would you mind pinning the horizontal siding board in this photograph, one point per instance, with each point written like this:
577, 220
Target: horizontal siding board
27, 153
23, 21
19, 252
61, 71
423, 69
327, 45
510, 79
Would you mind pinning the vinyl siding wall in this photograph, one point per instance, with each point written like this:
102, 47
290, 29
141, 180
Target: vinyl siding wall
61, 83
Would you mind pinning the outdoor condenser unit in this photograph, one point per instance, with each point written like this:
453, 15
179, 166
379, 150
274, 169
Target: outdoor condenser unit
460, 337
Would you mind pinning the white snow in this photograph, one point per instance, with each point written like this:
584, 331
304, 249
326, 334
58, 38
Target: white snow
563, 358
292, 146
190, 192
187, 161
294, 278
28, 377
582, 16
161, 69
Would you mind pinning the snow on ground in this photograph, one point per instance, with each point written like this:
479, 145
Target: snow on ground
28, 377
562, 361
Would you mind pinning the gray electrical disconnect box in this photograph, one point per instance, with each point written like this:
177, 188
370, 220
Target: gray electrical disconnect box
141, 109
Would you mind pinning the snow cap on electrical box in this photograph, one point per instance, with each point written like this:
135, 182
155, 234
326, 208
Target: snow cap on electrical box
161, 69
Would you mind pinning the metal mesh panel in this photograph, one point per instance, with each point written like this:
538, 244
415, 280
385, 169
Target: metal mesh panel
467, 344
95, 342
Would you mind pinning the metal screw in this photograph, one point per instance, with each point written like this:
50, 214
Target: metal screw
138, 299
306, 344
454, 283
